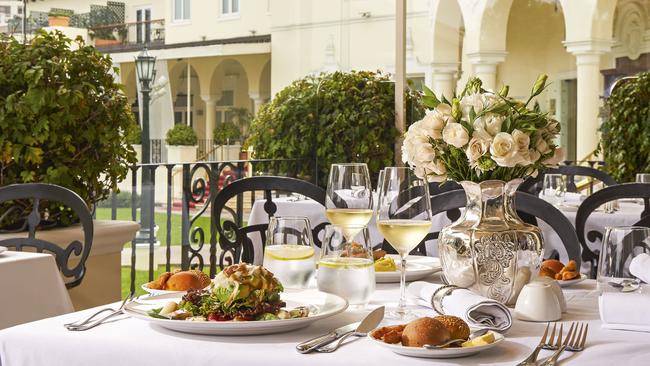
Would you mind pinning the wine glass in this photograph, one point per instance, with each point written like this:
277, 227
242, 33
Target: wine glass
403, 218
349, 196
554, 189
346, 267
643, 178
289, 251
620, 245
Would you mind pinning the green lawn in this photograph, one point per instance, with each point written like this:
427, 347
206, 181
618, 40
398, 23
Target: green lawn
160, 219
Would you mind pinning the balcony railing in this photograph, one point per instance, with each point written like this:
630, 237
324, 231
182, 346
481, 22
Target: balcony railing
127, 36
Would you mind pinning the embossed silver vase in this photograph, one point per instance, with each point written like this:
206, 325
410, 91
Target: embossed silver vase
490, 250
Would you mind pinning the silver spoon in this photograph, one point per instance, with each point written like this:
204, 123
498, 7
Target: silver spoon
625, 285
474, 334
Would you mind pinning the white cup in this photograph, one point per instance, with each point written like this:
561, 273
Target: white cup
538, 303
557, 290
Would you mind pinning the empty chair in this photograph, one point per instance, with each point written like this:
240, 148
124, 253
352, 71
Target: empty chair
38, 194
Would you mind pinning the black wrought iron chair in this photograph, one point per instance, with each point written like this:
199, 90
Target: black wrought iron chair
589, 205
233, 236
39, 193
530, 208
533, 185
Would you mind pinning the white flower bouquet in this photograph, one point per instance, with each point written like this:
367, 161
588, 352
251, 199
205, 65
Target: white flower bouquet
481, 135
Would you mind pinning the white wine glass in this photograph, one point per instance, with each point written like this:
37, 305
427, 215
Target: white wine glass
349, 196
346, 267
403, 218
289, 251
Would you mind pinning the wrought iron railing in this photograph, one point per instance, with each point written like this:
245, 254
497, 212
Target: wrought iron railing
132, 35
199, 183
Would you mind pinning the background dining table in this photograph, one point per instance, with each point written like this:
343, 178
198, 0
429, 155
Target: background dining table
31, 288
627, 213
136, 342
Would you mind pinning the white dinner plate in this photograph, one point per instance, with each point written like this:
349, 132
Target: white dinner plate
572, 282
417, 268
320, 304
151, 291
3, 249
452, 352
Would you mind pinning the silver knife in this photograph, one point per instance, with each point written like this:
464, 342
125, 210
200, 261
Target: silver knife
314, 343
370, 322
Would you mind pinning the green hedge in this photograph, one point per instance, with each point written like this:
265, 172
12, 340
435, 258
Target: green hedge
181, 134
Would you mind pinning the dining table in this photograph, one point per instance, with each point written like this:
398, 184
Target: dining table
31, 288
130, 341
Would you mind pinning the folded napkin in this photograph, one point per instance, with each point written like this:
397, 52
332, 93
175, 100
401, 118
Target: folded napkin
625, 311
477, 311
640, 267
573, 197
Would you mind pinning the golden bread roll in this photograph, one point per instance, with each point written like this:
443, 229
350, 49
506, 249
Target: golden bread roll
553, 264
184, 281
566, 276
424, 331
546, 272
572, 266
204, 278
456, 326
159, 284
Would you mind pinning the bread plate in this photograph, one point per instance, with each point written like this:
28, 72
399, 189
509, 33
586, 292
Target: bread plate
320, 304
151, 291
450, 352
568, 283
417, 268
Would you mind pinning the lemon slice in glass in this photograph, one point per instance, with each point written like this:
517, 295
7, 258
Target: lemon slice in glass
345, 263
286, 252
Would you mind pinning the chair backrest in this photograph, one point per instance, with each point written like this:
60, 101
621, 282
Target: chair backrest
527, 206
38, 193
533, 185
591, 203
233, 236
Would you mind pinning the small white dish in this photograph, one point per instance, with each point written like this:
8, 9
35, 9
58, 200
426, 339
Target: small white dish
417, 268
452, 352
3, 249
538, 303
572, 282
569, 206
557, 290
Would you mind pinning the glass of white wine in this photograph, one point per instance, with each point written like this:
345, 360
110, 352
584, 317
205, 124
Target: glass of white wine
403, 218
289, 251
346, 267
349, 196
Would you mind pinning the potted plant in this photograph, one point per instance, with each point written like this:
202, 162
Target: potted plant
226, 135
135, 139
488, 143
181, 144
332, 117
625, 140
58, 18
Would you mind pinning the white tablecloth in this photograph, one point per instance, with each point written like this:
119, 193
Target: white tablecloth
31, 288
134, 342
627, 214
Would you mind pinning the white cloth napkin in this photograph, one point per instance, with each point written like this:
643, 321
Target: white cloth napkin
476, 310
640, 267
573, 197
625, 311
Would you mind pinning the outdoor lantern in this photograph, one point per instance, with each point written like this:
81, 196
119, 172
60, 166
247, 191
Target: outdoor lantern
145, 66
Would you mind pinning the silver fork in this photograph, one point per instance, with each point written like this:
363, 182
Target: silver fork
86, 325
79, 323
574, 342
532, 359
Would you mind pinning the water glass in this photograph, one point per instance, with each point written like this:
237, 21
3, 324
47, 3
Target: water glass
289, 251
620, 245
554, 189
643, 178
346, 267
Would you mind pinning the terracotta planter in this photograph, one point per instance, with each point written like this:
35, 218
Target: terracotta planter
107, 42
58, 21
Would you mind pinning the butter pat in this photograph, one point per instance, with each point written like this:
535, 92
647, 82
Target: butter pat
480, 341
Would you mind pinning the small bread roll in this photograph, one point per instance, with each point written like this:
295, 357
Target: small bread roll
566, 276
183, 281
571, 266
546, 272
456, 326
553, 264
424, 331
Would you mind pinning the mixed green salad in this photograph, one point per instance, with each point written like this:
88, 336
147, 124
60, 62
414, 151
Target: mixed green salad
241, 292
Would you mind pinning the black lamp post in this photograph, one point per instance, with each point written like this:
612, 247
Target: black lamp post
145, 69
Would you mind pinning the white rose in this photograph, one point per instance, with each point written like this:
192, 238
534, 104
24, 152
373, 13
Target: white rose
476, 101
476, 148
529, 157
521, 139
493, 123
455, 134
436, 167
424, 153
504, 150
542, 146
558, 156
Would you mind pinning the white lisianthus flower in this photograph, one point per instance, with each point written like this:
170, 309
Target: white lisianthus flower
529, 157
504, 150
436, 166
476, 148
558, 156
493, 123
476, 101
542, 146
455, 134
522, 140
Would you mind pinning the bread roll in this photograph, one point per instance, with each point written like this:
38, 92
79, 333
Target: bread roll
424, 331
456, 326
553, 264
184, 281
546, 272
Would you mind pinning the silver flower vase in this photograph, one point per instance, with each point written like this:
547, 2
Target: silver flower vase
490, 250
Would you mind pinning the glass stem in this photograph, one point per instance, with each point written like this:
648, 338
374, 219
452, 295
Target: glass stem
401, 306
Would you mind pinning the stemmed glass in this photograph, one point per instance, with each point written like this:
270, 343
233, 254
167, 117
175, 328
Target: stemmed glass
620, 245
349, 197
554, 189
403, 218
289, 251
643, 178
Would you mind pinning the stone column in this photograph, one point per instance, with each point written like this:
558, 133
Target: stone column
210, 114
485, 66
258, 100
444, 79
587, 55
